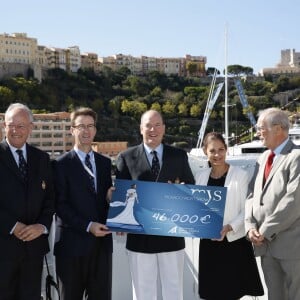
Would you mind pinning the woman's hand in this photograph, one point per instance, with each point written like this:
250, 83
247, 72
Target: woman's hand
226, 228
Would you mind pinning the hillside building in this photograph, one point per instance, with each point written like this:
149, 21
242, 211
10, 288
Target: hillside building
289, 64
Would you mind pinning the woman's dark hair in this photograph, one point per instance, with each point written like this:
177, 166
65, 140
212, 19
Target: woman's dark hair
213, 136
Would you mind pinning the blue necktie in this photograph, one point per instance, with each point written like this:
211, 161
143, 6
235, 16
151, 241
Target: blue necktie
22, 165
89, 165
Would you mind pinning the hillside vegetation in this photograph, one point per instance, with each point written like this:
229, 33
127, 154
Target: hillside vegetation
120, 98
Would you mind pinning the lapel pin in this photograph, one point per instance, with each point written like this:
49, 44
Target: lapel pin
43, 185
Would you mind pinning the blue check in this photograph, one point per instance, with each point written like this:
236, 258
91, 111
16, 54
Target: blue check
167, 209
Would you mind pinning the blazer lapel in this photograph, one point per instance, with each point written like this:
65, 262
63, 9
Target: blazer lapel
99, 173
279, 160
141, 159
8, 159
33, 164
79, 169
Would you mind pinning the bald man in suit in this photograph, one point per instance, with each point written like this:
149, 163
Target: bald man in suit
272, 215
152, 257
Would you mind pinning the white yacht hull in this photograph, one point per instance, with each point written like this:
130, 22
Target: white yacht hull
121, 282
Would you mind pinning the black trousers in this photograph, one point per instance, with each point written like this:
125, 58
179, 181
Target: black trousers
85, 275
20, 278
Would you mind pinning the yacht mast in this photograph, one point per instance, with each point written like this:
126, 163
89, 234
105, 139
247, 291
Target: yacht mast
226, 90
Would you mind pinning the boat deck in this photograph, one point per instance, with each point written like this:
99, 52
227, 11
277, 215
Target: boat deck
121, 282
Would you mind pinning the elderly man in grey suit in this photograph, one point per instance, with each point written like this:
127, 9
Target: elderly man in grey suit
272, 215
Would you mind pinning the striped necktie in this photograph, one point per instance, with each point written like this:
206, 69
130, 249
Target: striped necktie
89, 165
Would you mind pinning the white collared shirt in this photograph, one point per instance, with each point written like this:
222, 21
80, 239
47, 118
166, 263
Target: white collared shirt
15, 154
278, 150
159, 150
82, 156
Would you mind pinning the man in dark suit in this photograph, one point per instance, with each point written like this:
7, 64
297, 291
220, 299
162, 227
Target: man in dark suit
152, 257
84, 249
26, 208
272, 214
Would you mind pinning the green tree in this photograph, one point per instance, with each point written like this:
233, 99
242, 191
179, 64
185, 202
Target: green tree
168, 109
156, 106
137, 85
6, 97
183, 110
238, 70
114, 106
133, 108
185, 130
195, 110
211, 71
156, 92
192, 68
97, 105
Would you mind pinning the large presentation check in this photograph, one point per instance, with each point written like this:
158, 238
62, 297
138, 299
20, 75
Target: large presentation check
167, 209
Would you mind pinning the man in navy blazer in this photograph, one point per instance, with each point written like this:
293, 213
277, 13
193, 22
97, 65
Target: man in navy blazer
152, 257
84, 249
272, 214
26, 208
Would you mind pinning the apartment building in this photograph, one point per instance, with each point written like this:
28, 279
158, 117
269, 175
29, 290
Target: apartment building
55, 58
171, 66
73, 58
109, 61
144, 64
149, 64
18, 48
22, 50
90, 61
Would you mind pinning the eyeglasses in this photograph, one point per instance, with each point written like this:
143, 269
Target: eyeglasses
260, 128
17, 127
263, 128
82, 127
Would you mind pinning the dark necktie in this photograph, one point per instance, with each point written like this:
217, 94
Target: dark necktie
22, 164
89, 165
268, 166
155, 167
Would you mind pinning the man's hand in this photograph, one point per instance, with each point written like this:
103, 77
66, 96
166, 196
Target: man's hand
255, 237
109, 193
27, 233
98, 229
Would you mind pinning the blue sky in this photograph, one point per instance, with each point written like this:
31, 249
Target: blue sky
257, 30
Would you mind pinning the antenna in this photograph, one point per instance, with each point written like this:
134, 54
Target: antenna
226, 88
